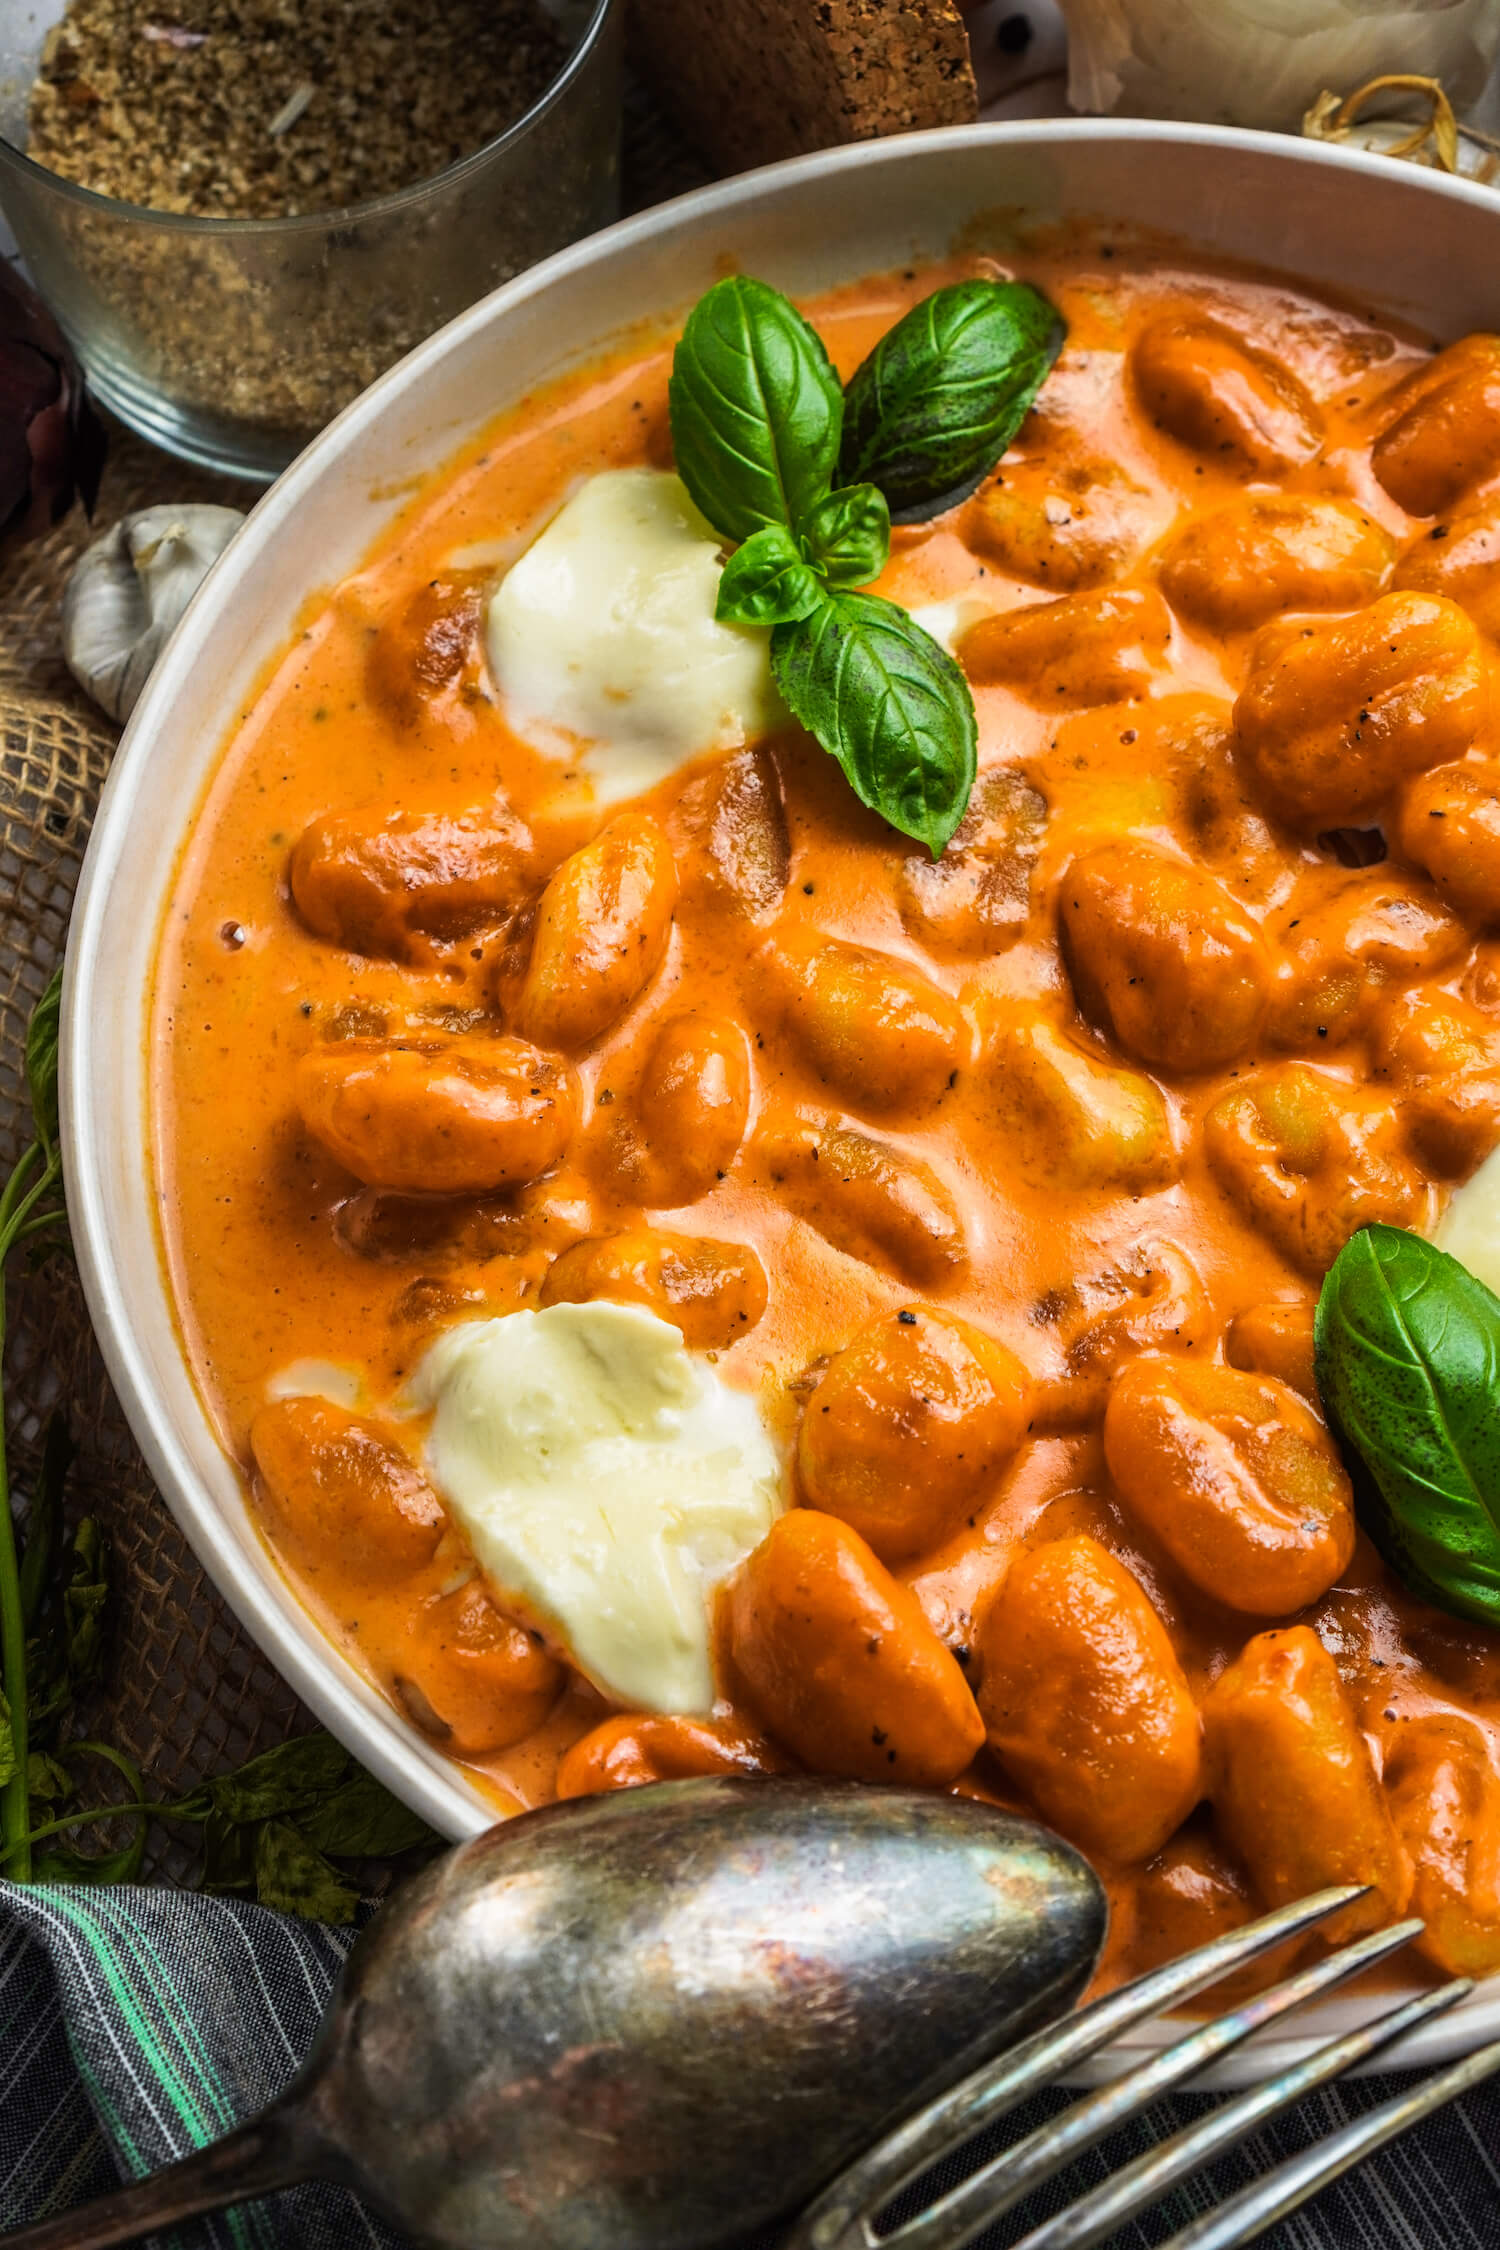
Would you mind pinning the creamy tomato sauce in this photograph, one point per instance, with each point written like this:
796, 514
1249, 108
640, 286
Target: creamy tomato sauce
1108, 1112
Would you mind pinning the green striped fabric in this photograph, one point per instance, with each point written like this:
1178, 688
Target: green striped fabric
136, 2024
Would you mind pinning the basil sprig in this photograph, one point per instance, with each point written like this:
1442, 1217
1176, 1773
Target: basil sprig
1408, 1361
761, 430
930, 412
889, 703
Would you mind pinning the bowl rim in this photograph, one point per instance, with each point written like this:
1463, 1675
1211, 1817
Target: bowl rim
299, 1650
41, 177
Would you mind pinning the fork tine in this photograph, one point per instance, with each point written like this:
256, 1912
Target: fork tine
1011, 2176
1294, 2183
1150, 2177
836, 2220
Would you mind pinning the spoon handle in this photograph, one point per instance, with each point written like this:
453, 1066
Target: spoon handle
265, 2152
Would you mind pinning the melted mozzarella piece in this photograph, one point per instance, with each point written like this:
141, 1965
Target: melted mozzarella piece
607, 1479
1470, 1225
332, 1379
605, 631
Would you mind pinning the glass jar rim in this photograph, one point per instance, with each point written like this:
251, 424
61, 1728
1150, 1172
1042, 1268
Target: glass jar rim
338, 215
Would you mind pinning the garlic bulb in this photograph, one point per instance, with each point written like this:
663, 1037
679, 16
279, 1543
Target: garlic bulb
127, 591
1264, 62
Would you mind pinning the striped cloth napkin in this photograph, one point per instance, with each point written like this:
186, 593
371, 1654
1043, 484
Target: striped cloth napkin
136, 2024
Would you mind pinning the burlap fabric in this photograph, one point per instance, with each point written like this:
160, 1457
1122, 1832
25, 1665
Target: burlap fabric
187, 1694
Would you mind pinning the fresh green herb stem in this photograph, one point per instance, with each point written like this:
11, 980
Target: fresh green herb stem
15, 1802
36, 1174
18, 1202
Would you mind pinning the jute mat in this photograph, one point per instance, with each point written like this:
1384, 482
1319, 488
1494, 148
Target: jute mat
186, 1694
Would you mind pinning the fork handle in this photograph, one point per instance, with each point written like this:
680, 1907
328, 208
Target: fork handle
265, 2152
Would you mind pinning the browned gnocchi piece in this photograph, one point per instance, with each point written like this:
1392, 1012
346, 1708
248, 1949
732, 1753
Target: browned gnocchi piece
335, 1485
1260, 558
376, 881
1334, 718
1221, 397
1444, 1055
1449, 825
601, 932
1063, 523
423, 651
910, 1422
1292, 1784
975, 897
1082, 650
440, 1116
839, 1661
686, 1118
636, 1748
1163, 956
1310, 1160
471, 1678
1444, 1794
714, 1292
1441, 428
1152, 1300
1067, 1114
732, 823
1276, 1339
873, 1027
1085, 1703
867, 1196
1340, 953
1236, 1477
1460, 558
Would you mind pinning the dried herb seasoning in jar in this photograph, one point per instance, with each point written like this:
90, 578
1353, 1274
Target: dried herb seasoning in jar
266, 109
243, 211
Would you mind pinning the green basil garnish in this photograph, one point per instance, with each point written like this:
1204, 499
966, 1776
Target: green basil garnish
1408, 1361
849, 535
766, 582
761, 429
930, 412
756, 409
890, 704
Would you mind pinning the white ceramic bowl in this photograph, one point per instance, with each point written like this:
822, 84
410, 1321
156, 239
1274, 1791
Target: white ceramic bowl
1395, 237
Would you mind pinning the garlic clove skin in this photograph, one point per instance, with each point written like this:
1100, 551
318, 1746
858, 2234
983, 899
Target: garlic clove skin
127, 591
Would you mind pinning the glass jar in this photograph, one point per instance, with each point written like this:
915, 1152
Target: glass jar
232, 341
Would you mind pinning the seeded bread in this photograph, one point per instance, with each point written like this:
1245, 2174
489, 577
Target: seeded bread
748, 81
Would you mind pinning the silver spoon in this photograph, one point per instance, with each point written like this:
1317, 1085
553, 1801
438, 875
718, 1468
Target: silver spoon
655, 2020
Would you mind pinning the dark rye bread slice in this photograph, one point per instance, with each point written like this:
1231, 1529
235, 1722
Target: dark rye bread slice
748, 81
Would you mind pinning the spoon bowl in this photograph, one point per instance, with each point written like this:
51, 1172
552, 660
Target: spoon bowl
660, 2019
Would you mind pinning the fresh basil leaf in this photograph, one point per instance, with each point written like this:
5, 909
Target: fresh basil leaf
362, 1820
930, 412
47, 1782
289, 1778
849, 535
1407, 1345
756, 409
767, 582
294, 1878
228, 1855
884, 699
43, 1035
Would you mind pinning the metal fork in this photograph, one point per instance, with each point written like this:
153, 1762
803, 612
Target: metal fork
845, 2216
